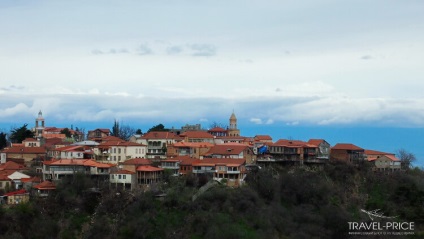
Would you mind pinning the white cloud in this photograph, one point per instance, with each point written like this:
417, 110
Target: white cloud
269, 121
94, 106
256, 120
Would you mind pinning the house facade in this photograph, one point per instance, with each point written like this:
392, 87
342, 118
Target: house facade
232, 150
194, 150
293, 150
230, 171
57, 169
22, 154
98, 134
348, 153
157, 143
118, 151
123, 179
386, 163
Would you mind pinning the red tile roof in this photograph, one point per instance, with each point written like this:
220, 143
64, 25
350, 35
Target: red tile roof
217, 129
81, 162
73, 148
193, 145
50, 136
231, 137
120, 144
219, 161
55, 162
93, 163
107, 131
160, 135
293, 143
374, 152
10, 165
186, 160
46, 185
263, 137
344, 146
315, 142
197, 135
24, 150
123, 172
148, 168
29, 140
19, 192
33, 180
137, 161
392, 157
227, 149
4, 175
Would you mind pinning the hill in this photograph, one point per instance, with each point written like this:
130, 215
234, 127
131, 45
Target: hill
294, 202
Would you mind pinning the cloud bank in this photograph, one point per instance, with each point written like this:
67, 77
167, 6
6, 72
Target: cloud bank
96, 106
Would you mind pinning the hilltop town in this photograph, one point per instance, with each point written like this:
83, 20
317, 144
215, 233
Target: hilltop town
141, 161
196, 183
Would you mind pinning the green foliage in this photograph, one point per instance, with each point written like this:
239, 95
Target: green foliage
159, 127
66, 132
3, 140
293, 202
17, 135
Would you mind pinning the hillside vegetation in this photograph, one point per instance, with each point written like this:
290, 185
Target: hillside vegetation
294, 202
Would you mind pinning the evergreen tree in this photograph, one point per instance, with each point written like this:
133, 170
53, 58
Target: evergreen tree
115, 129
17, 135
66, 132
3, 140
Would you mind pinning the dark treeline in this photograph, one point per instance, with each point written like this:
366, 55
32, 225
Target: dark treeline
295, 202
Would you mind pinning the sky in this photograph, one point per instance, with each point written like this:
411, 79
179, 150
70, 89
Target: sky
351, 70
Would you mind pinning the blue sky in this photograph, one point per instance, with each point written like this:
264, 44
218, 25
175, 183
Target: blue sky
302, 66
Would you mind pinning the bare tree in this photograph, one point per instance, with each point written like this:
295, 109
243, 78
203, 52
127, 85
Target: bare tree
216, 124
126, 131
122, 131
406, 158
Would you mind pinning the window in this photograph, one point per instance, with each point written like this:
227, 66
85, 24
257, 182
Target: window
124, 176
113, 176
119, 150
119, 176
119, 158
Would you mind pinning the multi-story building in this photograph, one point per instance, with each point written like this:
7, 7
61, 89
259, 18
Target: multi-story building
293, 150
157, 143
56, 169
348, 153
119, 151
194, 150
231, 150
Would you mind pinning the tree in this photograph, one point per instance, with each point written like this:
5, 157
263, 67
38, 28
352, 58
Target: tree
17, 135
115, 129
406, 158
138, 131
66, 132
216, 124
122, 131
159, 127
3, 140
125, 132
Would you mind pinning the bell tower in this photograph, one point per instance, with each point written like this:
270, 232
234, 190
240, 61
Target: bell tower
39, 125
232, 130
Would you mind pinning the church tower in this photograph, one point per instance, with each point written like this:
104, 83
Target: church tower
232, 130
39, 126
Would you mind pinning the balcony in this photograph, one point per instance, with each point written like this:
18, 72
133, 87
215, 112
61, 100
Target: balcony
233, 172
